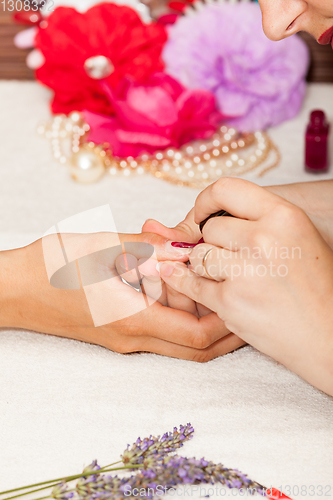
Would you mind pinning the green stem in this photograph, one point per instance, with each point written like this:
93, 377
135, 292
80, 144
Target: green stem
32, 491
69, 478
42, 498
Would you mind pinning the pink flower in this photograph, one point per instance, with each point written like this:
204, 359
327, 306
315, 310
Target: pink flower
154, 116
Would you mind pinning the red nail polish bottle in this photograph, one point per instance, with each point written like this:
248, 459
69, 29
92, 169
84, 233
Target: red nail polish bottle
316, 143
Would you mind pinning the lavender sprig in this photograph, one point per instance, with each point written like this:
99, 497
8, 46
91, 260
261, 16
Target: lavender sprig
157, 470
175, 471
164, 474
144, 449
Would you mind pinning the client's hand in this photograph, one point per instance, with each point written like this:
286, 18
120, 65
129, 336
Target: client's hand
88, 290
187, 231
131, 269
273, 272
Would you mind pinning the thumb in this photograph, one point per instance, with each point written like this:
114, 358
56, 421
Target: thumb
163, 249
186, 231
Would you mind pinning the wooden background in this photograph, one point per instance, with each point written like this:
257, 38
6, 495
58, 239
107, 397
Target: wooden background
13, 66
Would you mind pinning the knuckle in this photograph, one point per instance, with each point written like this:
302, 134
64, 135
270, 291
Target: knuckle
202, 356
172, 292
262, 239
186, 228
200, 340
219, 186
121, 349
226, 183
198, 288
289, 215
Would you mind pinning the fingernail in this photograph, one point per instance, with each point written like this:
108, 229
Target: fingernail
165, 269
182, 244
176, 248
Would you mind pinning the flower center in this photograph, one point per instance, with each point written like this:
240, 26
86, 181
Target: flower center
98, 67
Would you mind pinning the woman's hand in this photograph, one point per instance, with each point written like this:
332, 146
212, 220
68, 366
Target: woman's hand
29, 301
273, 272
314, 198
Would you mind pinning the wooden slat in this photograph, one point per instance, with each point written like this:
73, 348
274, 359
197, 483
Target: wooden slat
13, 66
12, 60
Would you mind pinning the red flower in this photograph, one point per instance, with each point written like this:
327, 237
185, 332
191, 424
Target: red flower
109, 30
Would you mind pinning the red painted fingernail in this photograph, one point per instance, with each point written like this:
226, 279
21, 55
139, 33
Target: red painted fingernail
183, 244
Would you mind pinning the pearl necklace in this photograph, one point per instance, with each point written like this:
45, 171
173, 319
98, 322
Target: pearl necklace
226, 153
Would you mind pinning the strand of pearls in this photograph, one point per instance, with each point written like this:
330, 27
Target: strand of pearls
197, 164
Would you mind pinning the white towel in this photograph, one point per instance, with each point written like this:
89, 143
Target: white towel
64, 403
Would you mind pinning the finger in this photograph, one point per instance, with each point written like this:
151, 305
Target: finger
127, 268
148, 267
186, 231
179, 301
228, 232
185, 281
177, 327
202, 310
155, 288
219, 348
141, 246
239, 197
213, 262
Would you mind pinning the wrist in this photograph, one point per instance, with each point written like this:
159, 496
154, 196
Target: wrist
315, 199
11, 286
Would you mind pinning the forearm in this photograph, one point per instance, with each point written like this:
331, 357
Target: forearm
11, 279
310, 196
316, 199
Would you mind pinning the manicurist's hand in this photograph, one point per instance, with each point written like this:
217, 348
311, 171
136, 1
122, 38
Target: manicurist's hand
82, 297
314, 198
268, 274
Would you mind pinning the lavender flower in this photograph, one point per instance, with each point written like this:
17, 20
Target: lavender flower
222, 48
59, 492
143, 450
90, 484
157, 472
174, 471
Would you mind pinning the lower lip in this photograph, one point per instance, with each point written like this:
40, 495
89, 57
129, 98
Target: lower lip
326, 37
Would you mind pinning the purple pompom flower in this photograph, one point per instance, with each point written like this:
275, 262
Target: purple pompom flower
222, 48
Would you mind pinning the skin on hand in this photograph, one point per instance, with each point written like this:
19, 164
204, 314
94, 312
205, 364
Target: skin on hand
28, 301
314, 198
274, 277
